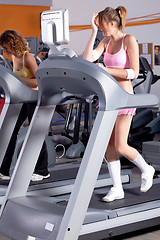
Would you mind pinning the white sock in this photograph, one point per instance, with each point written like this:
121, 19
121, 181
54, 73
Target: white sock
141, 164
115, 173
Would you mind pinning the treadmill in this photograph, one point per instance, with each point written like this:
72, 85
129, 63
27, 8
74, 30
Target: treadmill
16, 93
62, 177
63, 78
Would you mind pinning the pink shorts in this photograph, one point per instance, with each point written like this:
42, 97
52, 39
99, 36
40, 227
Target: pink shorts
127, 111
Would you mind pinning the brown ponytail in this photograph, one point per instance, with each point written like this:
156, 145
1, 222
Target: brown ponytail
122, 12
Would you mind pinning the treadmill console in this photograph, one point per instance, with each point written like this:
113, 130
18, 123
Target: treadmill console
55, 27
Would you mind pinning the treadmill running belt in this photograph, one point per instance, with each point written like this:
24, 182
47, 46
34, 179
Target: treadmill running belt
60, 175
132, 197
66, 174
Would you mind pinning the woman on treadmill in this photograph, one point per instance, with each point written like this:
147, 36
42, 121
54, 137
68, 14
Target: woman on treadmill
121, 60
25, 67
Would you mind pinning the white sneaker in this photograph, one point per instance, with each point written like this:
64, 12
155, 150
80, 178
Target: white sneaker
37, 177
113, 194
3, 177
147, 180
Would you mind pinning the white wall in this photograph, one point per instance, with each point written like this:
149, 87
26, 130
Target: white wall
80, 13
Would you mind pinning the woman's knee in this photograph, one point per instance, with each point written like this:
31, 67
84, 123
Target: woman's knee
121, 149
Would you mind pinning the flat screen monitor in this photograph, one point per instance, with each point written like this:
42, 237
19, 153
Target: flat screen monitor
55, 27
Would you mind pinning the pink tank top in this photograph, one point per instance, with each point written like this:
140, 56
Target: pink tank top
117, 60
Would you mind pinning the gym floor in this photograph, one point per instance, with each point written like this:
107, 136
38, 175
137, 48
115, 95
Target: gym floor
147, 234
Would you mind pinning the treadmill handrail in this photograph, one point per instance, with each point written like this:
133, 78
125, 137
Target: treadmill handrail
16, 91
80, 78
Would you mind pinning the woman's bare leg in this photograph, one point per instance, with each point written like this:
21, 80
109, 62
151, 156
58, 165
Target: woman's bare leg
122, 127
114, 167
118, 144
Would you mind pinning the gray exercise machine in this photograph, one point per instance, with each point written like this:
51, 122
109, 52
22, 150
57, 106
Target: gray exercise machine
16, 93
14, 99
4, 61
63, 78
